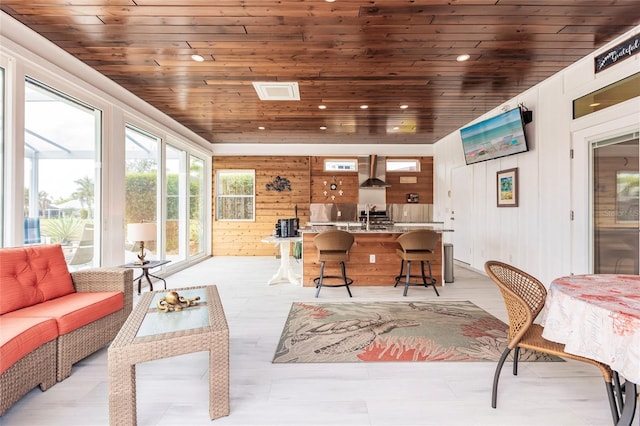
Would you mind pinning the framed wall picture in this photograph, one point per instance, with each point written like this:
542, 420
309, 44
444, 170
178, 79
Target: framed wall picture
507, 186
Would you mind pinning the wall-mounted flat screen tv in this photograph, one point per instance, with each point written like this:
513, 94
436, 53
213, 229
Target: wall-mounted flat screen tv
495, 137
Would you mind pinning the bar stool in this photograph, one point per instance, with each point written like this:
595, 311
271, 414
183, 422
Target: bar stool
418, 245
333, 246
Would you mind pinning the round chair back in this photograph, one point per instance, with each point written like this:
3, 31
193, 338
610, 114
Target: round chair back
418, 240
333, 245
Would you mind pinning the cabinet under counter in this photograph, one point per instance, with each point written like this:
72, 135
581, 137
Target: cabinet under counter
381, 245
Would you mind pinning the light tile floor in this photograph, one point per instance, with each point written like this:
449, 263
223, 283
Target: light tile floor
175, 392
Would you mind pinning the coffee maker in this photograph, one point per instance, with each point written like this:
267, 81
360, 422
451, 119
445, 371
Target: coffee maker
286, 228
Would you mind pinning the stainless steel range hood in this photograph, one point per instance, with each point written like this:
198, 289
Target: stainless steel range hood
373, 181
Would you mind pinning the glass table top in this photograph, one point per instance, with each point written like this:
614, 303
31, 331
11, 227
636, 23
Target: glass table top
159, 322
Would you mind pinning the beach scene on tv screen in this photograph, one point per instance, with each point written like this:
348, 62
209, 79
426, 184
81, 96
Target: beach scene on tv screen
496, 137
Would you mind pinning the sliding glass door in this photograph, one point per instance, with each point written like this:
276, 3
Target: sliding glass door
142, 184
616, 202
173, 196
2, 148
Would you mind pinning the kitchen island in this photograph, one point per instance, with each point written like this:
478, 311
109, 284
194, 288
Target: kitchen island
377, 244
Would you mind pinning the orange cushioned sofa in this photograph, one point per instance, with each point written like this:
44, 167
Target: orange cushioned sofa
50, 318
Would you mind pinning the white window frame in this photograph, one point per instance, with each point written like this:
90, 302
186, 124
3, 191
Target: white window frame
218, 195
391, 161
341, 165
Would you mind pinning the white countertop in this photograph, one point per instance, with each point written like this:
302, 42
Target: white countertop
357, 227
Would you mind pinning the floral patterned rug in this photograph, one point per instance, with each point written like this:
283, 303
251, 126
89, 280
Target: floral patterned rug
393, 331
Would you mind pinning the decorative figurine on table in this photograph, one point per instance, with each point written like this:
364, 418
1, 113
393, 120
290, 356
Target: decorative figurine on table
174, 302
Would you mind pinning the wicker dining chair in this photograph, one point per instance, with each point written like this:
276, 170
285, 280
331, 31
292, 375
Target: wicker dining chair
524, 297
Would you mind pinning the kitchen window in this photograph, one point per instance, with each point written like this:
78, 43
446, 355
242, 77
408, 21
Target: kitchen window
402, 165
341, 165
235, 195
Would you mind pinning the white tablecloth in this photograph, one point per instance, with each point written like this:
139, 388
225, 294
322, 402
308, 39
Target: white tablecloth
598, 317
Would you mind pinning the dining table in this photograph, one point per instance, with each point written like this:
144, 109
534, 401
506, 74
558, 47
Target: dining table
597, 316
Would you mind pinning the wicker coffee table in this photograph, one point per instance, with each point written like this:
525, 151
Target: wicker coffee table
150, 334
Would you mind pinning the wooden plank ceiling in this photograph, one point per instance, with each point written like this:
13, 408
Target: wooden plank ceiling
343, 54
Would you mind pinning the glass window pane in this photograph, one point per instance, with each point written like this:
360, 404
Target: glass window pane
176, 223
610, 95
337, 165
406, 165
616, 201
235, 195
197, 205
2, 106
141, 186
62, 147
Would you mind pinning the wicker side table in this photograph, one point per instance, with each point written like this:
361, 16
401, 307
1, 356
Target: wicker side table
147, 335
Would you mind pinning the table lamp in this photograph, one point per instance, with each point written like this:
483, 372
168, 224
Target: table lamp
141, 232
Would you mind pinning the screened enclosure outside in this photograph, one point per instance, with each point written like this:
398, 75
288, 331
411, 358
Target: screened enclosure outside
61, 173
235, 195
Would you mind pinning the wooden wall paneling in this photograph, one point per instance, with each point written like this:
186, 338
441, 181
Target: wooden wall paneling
350, 184
244, 238
397, 192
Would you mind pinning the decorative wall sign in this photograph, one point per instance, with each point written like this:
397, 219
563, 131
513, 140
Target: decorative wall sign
617, 53
279, 184
408, 179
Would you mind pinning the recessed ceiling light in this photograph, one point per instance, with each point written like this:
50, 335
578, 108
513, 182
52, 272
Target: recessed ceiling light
323, 127
404, 106
364, 106
197, 58
462, 58
396, 128
260, 127
329, 1
322, 107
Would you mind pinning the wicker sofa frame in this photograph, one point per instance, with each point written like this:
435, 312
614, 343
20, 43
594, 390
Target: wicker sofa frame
52, 361
80, 343
37, 368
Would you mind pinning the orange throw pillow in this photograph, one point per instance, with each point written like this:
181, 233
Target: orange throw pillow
30, 275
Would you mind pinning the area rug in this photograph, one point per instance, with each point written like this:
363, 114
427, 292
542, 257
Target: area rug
393, 331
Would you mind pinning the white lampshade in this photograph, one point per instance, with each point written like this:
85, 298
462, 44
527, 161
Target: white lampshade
141, 231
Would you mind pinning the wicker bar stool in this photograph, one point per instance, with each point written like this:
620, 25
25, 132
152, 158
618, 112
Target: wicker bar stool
333, 246
417, 246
